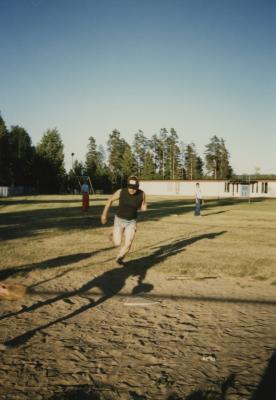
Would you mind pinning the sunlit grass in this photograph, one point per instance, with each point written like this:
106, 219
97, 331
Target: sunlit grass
231, 239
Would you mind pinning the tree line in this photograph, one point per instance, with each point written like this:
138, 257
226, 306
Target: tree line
163, 156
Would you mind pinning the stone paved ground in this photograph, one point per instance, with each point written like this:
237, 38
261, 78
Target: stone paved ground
160, 339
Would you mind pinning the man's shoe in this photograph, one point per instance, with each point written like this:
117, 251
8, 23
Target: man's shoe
120, 261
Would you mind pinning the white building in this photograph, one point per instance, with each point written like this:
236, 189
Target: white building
211, 188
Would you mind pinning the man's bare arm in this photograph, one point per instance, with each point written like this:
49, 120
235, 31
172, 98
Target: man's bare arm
114, 197
144, 205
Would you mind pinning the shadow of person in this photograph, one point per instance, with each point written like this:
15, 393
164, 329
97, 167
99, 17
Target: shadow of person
213, 213
87, 392
219, 392
267, 387
110, 283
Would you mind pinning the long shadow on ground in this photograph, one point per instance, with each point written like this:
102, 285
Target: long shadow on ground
219, 391
110, 283
267, 387
45, 200
28, 223
49, 264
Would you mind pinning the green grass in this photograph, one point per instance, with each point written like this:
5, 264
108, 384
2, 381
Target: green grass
50, 233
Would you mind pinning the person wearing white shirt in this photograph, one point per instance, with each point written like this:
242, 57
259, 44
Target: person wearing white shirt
198, 200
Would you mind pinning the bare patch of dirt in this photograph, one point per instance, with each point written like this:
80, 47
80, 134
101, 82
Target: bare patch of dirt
121, 335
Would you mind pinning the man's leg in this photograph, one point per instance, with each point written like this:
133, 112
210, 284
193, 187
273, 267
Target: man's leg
129, 237
117, 233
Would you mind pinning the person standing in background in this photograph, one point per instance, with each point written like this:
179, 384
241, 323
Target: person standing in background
85, 189
198, 200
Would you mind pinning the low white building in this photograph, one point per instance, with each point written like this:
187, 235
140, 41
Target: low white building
211, 188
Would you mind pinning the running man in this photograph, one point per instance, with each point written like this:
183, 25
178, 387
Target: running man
131, 199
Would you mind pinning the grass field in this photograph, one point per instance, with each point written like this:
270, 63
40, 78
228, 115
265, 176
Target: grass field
231, 239
155, 328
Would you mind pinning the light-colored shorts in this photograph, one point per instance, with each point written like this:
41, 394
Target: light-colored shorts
126, 227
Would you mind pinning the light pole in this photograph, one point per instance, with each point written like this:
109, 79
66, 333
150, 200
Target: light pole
72, 155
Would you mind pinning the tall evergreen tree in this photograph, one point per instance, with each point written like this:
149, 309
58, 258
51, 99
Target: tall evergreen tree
140, 147
154, 145
94, 159
5, 155
159, 147
95, 166
116, 148
164, 151
50, 162
226, 170
172, 164
217, 159
148, 171
22, 157
91, 161
193, 163
182, 160
199, 168
128, 163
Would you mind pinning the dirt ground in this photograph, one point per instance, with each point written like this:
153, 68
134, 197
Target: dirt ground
125, 334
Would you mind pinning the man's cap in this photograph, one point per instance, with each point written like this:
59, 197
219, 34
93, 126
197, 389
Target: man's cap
133, 182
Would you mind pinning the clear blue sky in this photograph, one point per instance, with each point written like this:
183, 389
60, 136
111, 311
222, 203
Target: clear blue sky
87, 67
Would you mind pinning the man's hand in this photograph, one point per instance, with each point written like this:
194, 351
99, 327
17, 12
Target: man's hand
103, 219
144, 207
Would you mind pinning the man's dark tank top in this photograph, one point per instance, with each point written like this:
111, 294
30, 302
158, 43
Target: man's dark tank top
129, 204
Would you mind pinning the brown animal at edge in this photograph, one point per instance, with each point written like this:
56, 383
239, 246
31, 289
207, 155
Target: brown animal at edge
12, 291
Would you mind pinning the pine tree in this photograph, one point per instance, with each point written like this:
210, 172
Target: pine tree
190, 161
217, 159
140, 146
148, 171
173, 169
22, 157
128, 163
91, 158
50, 162
116, 148
159, 148
5, 155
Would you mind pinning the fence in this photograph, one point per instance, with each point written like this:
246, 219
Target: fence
6, 191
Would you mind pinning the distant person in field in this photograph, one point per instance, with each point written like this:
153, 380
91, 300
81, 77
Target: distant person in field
131, 199
198, 200
85, 189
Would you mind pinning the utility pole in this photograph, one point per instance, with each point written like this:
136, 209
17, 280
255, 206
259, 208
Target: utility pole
163, 162
72, 155
249, 189
173, 164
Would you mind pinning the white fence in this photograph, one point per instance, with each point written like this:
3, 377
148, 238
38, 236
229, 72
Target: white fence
6, 191
210, 188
